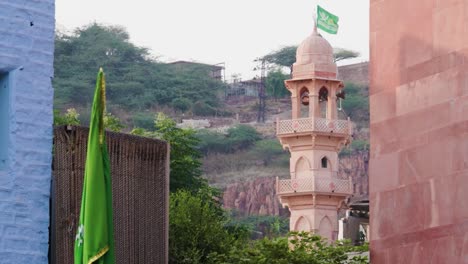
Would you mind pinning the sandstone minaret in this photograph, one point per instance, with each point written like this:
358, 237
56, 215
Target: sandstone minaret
314, 136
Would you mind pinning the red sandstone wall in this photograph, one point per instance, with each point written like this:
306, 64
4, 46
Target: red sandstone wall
356, 73
419, 131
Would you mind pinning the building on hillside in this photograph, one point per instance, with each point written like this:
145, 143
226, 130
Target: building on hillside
26, 98
314, 136
418, 171
214, 71
249, 88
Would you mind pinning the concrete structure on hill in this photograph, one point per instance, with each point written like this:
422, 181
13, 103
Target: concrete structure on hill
314, 137
418, 168
26, 97
214, 71
248, 88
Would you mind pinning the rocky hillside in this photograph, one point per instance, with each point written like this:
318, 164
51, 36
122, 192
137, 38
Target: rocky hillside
258, 196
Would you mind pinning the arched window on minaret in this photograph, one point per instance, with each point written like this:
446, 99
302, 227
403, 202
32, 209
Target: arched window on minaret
302, 168
304, 106
324, 163
326, 228
302, 224
323, 101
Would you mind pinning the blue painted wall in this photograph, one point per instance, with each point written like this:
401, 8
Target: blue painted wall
26, 54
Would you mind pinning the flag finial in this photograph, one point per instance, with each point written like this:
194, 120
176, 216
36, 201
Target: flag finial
315, 23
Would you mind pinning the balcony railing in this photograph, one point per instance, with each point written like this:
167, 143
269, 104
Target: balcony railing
303, 125
317, 184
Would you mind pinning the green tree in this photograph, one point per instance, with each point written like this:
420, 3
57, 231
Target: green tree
268, 150
275, 84
212, 142
112, 122
242, 137
135, 80
185, 158
286, 56
143, 120
71, 117
298, 248
283, 57
181, 104
344, 54
356, 103
198, 227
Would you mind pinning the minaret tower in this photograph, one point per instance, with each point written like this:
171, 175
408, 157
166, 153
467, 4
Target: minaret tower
314, 136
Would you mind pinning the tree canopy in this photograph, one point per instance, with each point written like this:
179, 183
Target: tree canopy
275, 84
286, 56
135, 80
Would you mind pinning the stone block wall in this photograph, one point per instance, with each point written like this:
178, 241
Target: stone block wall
26, 70
418, 172
355, 73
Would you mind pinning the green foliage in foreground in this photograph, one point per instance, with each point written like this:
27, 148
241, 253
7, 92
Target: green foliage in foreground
200, 232
261, 226
185, 158
71, 118
299, 248
198, 227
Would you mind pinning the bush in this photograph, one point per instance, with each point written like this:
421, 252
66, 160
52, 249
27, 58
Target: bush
112, 123
305, 248
201, 108
359, 145
264, 226
238, 138
356, 104
71, 117
242, 136
197, 228
143, 120
268, 150
181, 104
212, 142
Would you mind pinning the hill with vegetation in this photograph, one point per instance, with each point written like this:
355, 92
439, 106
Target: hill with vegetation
139, 87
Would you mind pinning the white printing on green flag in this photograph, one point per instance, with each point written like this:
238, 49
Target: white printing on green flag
326, 21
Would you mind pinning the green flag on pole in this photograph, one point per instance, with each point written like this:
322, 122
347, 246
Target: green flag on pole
327, 21
94, 242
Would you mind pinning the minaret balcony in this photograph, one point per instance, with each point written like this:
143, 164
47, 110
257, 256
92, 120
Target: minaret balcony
329, 185
313, 125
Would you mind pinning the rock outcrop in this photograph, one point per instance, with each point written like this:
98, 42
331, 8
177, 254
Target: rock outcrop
356, 166
258, 197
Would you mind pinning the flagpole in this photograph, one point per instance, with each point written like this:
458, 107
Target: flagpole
315, 16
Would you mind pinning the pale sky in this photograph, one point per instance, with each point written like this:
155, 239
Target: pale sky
234, 32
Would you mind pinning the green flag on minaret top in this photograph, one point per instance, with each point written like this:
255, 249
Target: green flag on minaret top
327, 21
94, 242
